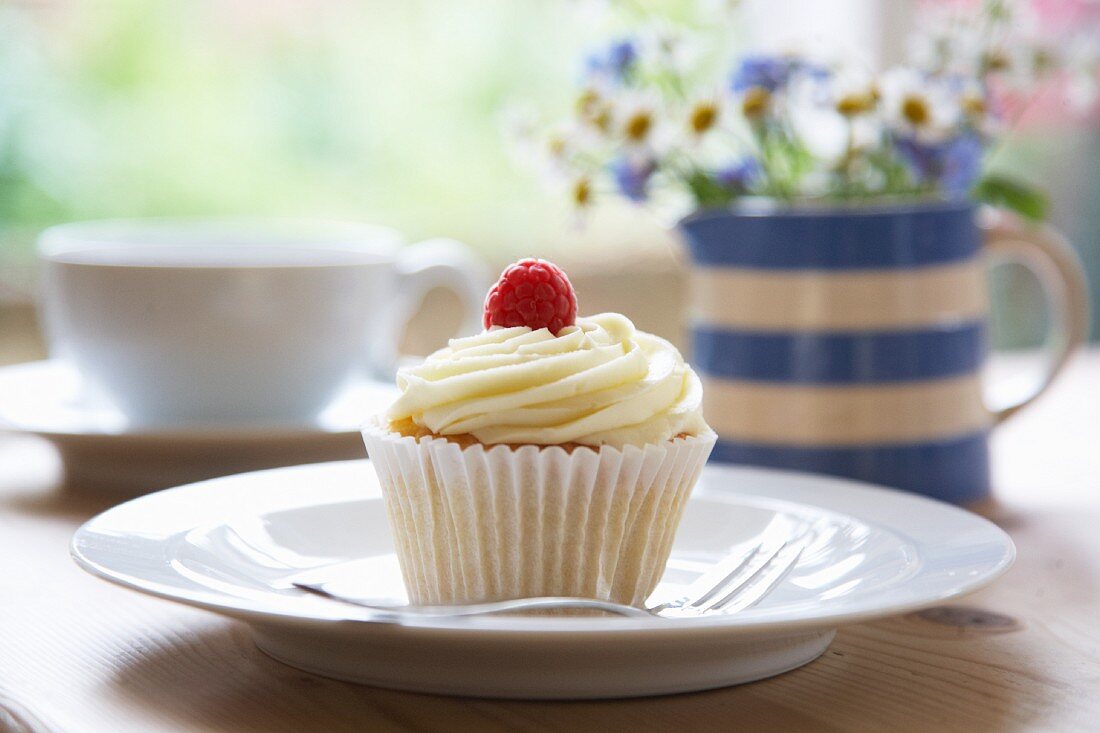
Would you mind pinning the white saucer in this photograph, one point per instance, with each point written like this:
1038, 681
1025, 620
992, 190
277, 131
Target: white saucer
101, 451
224, 544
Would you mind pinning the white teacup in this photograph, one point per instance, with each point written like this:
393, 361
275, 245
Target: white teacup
225, 321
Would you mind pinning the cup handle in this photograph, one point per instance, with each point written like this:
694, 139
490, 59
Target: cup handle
1043, 250
421, 267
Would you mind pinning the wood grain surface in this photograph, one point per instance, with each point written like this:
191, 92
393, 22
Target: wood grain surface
79, 655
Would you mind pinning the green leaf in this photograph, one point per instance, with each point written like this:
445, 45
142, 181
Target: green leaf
1012, 194
709, 194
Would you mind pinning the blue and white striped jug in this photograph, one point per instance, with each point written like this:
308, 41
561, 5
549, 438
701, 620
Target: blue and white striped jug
849, 341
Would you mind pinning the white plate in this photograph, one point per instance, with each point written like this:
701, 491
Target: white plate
102, 452
222, 544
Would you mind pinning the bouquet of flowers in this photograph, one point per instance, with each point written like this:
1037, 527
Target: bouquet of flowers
646, 123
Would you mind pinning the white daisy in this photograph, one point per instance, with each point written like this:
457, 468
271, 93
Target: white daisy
919, 106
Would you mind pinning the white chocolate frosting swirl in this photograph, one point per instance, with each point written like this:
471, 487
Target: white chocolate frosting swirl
600, 382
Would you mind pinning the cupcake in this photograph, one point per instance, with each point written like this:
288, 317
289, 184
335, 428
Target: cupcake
548, 455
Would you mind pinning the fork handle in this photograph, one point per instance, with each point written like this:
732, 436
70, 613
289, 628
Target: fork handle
484, 609
525, 604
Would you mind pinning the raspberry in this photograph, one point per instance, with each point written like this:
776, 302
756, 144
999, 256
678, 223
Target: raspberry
532, 293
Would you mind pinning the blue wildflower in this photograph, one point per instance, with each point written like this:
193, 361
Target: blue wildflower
962, 163
615, 62
921, 159
772, 73
739, 175
632, 177
621, 56
953, 165
765, 72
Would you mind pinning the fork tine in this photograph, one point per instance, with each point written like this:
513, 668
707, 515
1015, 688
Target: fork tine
716, 578
771, 575
738, 579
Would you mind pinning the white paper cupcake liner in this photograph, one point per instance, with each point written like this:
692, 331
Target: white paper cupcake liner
489, 523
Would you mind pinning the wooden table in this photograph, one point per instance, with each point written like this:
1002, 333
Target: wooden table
77, 654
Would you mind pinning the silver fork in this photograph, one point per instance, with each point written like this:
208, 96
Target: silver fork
737, 582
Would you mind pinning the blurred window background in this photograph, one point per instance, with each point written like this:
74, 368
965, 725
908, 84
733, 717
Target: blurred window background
392, 112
